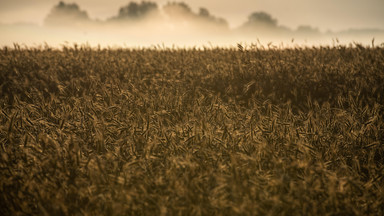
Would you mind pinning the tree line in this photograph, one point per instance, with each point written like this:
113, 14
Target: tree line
70, 14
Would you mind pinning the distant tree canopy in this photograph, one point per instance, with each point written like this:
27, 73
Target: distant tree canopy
179, 11
261, 18
66, 14
263, 24
136, 10
203, 12
176, 13
70, 14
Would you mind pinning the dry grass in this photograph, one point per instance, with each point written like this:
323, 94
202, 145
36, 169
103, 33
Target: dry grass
192, 132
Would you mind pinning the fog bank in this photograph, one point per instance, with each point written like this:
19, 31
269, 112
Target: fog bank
145, 24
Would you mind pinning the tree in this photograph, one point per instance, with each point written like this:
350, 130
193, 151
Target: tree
261, 24
137, 10
182, 13
261, 18
175, 9
207, 18
203, 12
66, 14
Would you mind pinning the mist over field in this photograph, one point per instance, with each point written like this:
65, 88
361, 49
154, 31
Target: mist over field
148, 24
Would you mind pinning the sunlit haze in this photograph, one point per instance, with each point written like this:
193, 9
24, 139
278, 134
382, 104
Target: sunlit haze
193, 23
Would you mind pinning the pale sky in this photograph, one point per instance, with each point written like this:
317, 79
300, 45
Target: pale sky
324, 14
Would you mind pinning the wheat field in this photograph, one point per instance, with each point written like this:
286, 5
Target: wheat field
218, 131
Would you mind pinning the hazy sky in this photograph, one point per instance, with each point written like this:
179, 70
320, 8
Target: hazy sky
325, 14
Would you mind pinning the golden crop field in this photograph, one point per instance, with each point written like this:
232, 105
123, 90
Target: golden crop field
247, 131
